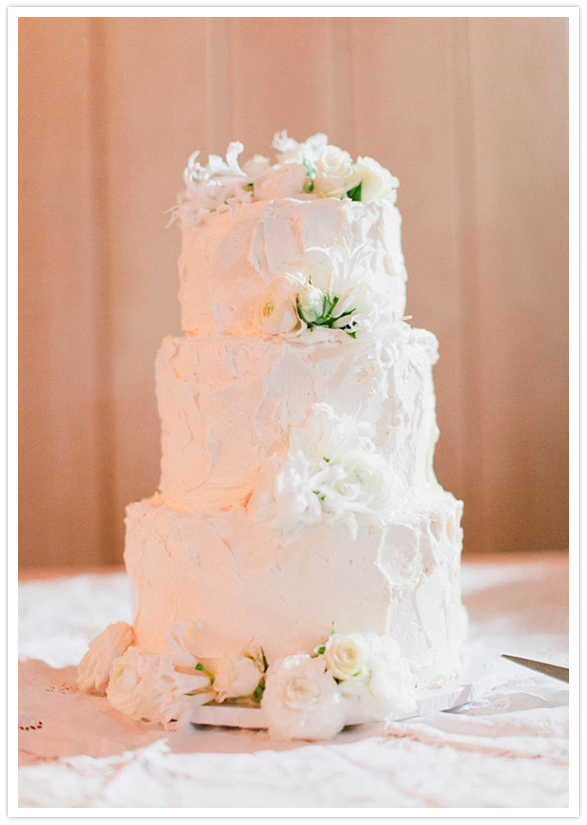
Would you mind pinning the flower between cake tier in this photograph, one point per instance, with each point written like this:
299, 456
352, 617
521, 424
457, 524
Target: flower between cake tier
297, 486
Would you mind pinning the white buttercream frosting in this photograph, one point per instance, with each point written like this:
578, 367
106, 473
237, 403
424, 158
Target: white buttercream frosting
230, 259
228, 403
231, 579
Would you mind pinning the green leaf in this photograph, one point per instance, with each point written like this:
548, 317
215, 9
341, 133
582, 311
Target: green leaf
249, 185
258, 692
310, 170
320, 650
355, 193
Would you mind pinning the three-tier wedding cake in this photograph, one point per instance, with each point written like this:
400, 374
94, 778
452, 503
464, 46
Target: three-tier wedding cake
300, 554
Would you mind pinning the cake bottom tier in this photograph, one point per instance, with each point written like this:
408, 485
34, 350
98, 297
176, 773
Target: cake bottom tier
229, 582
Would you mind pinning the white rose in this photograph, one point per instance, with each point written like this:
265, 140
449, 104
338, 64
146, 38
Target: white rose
301, 700
310, 302
346, 658
236, 676
152, 688
335, 173
377, 182
389, 684
367, 484
277, 313
94, 669
285, 182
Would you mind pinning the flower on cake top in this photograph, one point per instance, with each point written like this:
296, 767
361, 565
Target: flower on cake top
305, 171
330, 471
337, 288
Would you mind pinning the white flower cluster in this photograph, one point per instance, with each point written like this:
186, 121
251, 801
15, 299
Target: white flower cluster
352, 678
358, 677
164, 687
305, 171
338, 288
330, 471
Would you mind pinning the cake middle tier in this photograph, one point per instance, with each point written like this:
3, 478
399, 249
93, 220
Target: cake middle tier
228, 403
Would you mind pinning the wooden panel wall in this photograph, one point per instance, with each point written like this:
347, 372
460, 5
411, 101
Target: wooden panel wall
470, 114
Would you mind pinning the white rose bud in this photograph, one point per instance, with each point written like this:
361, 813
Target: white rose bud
236, 676
311, 302
94, 669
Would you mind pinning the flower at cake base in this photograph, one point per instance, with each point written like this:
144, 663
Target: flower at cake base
150, 687
345, 657
374, 678
236, 677
376, 181
301, 700
276, 310
94, 669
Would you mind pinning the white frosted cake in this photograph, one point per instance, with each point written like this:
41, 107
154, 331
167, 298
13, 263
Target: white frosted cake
300, 554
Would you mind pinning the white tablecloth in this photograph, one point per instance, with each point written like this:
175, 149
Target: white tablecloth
507, 749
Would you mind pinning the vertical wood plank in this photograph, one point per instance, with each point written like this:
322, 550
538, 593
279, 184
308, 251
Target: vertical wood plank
61, 498
519, 79
156, 91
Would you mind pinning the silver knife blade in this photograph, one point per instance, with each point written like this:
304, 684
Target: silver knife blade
561, 673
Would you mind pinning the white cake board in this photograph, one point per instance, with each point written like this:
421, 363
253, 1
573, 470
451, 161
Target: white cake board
473, 683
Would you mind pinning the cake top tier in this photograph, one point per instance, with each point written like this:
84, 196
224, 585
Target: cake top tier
309, 246
304, 171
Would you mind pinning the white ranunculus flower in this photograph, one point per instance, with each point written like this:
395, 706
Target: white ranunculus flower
377, 182
94, 669
285, 182
277, 313
310, 302
335, 173
236, 676
302, 700
150, 687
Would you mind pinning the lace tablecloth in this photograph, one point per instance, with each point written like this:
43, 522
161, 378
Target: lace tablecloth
508, 749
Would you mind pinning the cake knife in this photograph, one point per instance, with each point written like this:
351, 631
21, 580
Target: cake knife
561, 673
